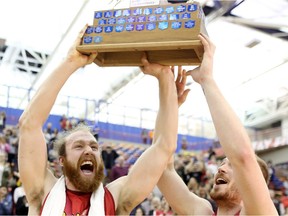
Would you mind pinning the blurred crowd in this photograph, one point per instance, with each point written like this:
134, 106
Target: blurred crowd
196, 170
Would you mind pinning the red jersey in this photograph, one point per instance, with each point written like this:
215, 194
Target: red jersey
78, 203
237, 214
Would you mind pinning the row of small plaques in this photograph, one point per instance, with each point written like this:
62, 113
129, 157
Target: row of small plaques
131, 27
145, 11
140, 27
151, 18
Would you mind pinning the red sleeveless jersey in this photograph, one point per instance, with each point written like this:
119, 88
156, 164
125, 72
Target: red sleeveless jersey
78, 203
237, 214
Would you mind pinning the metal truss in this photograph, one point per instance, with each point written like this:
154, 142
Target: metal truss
22, 59
268, 112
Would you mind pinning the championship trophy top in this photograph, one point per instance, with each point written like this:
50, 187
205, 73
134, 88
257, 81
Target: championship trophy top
166, 32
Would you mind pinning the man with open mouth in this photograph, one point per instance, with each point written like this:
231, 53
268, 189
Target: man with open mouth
240, 185
80, 190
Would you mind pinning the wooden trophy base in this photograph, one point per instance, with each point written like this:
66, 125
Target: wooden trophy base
178, 53
167, 33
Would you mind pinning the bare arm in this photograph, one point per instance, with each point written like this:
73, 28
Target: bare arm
182, 201
147, 170
234, 139
177, 194
32, 146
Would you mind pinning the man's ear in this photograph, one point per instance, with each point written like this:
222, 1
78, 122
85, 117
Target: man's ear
61, 161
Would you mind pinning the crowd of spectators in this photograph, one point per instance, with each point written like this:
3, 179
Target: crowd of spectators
12, 196
195, 169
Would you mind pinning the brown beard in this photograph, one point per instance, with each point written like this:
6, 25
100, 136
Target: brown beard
229, 197
83, 184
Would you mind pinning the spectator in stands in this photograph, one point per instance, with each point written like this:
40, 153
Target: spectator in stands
139, 211
165, 207
73, 122
79, 151
13, 140
53, 137
18, 192
272, 173
3, 165
277, 202
284, 200
186, 158
144, 136
4, 147
49, 129
109, 156
50, 145
82, 121
179, 166
204, 193
211, 165
20, 201
63, 121
184, 143
2, 121
151, 135
119, 169
235, 191
21, 206
193, 184
195, 168
271, 169
285, 184
6, 202
211, 153
147, 203
9, 179
155, 206
96, 130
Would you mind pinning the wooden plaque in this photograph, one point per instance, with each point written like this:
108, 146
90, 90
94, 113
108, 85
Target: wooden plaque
167, 33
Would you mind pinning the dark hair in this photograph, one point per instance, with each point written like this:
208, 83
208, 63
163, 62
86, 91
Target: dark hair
140, 207
60, 146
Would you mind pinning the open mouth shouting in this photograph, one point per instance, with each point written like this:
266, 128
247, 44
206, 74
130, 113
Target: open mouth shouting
87, 167
220, 180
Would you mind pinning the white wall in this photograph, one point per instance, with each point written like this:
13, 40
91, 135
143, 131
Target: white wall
277, 156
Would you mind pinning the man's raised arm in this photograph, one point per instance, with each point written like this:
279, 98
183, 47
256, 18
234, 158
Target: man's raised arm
147, 170
32, 145
233, 139
173, 188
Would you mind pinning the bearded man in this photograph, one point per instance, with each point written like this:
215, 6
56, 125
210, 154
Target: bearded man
240, 185
80, 191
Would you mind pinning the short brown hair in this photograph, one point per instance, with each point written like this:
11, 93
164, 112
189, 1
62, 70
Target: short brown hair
60, 146
264, 168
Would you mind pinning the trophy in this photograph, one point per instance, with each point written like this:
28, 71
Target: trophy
167, 33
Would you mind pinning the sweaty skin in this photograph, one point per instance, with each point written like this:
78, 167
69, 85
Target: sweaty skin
244, 188
35, 175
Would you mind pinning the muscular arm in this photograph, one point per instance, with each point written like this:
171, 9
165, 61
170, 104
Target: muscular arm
37, 181
177, 194
234, 140
147, 170
173, 188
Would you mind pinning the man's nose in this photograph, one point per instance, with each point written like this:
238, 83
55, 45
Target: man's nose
221, 169
88, 150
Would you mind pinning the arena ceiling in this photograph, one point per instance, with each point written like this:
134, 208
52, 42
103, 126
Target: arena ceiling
251, 60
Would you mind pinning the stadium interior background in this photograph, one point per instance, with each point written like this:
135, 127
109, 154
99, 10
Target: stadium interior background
251, 64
